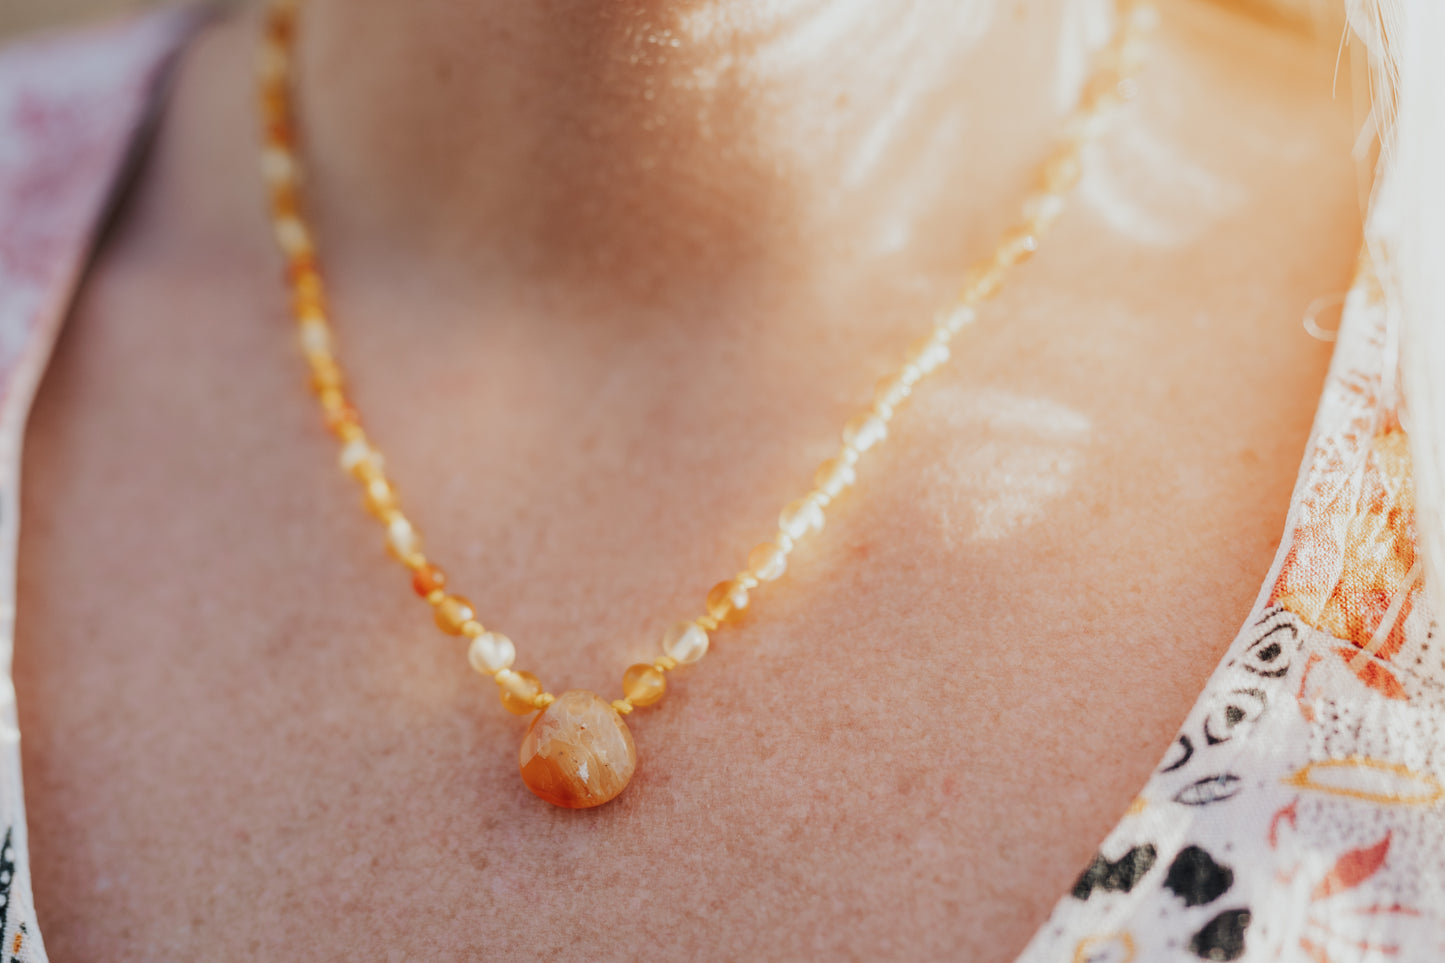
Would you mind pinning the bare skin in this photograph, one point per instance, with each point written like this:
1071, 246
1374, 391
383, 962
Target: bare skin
597, 369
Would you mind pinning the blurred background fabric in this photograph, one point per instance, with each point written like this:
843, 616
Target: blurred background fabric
24, 16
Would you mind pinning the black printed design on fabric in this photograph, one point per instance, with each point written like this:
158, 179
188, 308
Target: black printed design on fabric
7, 880
1222, 938
1118, 876
1210, 789
1270, 653
1196, 878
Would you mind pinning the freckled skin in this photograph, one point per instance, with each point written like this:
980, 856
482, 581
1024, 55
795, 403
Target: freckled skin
596, 382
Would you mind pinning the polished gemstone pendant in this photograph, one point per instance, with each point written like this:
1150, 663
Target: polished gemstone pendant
577, 752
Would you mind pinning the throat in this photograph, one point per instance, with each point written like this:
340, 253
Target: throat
646, 145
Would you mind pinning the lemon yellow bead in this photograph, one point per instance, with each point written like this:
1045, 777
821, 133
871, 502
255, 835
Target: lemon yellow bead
643, 684
519, 690
685, 642
453, 612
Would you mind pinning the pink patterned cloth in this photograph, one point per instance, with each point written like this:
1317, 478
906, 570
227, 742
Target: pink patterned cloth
71, 112
1299, 815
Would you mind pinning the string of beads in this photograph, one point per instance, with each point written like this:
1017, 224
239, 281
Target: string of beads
492, 653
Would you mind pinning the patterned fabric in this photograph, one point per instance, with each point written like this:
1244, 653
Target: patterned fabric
1298, 816
70, 112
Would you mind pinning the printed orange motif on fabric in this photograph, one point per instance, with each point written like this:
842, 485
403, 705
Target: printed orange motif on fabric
1354, 554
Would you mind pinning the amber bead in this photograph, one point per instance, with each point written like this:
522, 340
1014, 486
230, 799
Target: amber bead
725, 598
643, 684
452, 613
518, 691
428, 579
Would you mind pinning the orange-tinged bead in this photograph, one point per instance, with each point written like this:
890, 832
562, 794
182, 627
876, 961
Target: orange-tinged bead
643, 684
452, 613
726, 597
428, 579
340, 416
518, 691
325, 374
577, 752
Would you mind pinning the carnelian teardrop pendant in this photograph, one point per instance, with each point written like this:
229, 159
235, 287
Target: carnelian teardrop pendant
577, 752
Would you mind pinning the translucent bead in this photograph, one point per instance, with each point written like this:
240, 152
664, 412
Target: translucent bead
491, 652
518, 691
452, 612
833, 476
955, 319
1043, 208
358, 452
1062, 171
767, 561
428, 579
643, 684
927, 354
865, 431
891, 391
725, 598
801, 517
686, 642
277, 165
378, 496
292, 235
315, 336
401, 536
982, 282
1016, 246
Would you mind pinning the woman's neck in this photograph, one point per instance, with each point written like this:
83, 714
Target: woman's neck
651, 144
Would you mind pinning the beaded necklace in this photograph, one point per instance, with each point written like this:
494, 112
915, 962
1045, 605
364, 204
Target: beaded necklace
578, 751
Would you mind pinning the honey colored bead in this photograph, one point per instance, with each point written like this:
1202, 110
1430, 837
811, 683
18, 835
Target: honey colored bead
833, 476
725, 598
865, 431
452, 613
491, 652
428, 579
685, 642
578, 753
643, 684
767, 561
518, 691
801, 518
